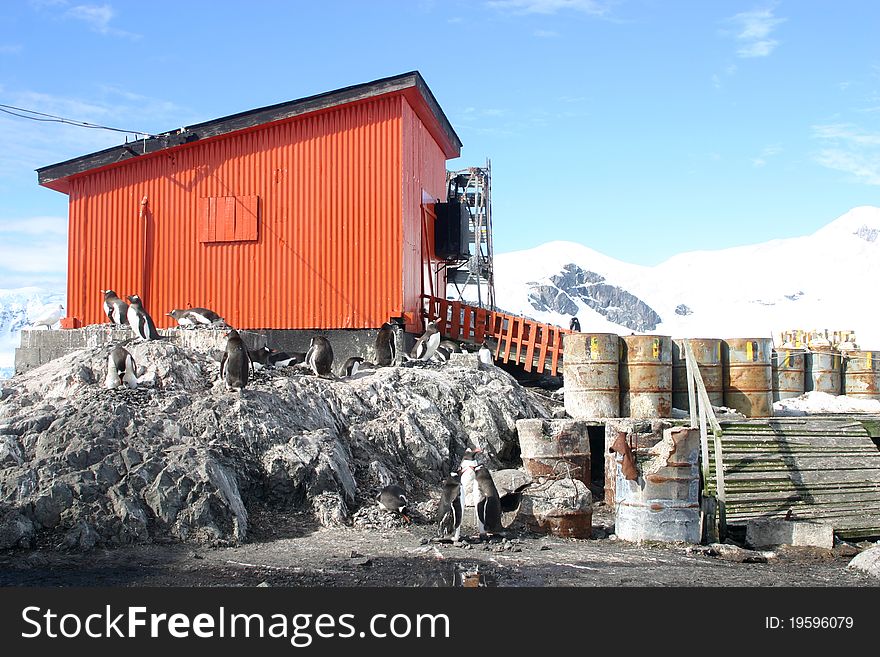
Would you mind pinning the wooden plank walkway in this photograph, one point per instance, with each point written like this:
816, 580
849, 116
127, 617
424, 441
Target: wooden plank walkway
819, 468
529, 344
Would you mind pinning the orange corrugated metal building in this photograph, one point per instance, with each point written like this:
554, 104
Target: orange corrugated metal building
311, 214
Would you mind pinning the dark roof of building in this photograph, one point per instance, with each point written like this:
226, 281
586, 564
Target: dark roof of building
411, 84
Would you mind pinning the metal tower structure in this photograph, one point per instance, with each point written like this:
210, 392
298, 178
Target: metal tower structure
474, 277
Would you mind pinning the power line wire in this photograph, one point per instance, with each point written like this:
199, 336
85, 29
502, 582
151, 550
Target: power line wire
51, 118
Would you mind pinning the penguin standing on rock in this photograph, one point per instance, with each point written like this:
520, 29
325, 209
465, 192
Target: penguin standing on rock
235, 363
488, 502
485, 354
121, 369
115, 308
393, 498
450, 511
574, 324
426, 346
469, 461
140, 321
385, 346
320, 356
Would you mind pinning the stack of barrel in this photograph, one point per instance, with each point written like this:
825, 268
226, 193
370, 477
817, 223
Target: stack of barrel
645, 376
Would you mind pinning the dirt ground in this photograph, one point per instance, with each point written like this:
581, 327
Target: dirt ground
291, 550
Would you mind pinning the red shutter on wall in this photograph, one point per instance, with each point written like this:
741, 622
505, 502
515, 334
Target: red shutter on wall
228, 219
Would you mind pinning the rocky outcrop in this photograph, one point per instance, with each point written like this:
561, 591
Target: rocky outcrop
179, 458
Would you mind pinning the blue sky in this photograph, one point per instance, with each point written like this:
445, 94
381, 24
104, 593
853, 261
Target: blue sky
640, 128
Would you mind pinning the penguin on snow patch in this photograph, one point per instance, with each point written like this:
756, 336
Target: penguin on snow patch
393, 498
450, 510
48, 318
488, 502
140, 320
121, 369
426, 346
485, 354
115, 308
385, 347
235, 363
194, 317
320, 356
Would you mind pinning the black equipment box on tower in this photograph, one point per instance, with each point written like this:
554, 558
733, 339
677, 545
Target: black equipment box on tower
452, 230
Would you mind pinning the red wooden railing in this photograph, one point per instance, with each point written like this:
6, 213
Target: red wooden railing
525, 342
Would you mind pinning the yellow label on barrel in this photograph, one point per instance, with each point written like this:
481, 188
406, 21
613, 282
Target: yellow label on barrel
750, 350
868, 355
594, 347
785, 362
656, 345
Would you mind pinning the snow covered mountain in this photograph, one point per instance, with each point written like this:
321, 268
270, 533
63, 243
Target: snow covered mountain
823, 280
18, 309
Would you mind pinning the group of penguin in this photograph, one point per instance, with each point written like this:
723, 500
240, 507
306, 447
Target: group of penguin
472, 477
121, 366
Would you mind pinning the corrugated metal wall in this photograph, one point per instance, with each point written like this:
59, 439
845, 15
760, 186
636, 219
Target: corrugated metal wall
424, 176
329, 252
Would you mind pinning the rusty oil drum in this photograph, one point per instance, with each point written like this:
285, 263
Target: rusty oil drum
590, 380
862, 374
823, 371
555, 448
788, 373
646, 376
748, 376
707, 352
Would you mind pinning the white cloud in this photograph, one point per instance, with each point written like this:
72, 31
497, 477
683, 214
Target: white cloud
765, 155
850, 149
592, 7
98, 18
545, 34
45, 226
752, 29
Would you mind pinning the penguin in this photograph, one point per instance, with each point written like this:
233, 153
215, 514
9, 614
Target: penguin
488, 502
121, 368
115, 308
485, 354
426, 346
393, 498
352, 366
450, 511
259, 358
320, 356
385, 347
194, 317
48, 318
140, 321
574, 324
235, 363
442, 354
283, 359
451, 346
469, 461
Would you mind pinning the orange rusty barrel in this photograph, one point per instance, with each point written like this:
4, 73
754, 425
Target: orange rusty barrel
862, 375
788, 373
823, 371
646, 376
555, 448
707, 352
590, 379
748, 376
